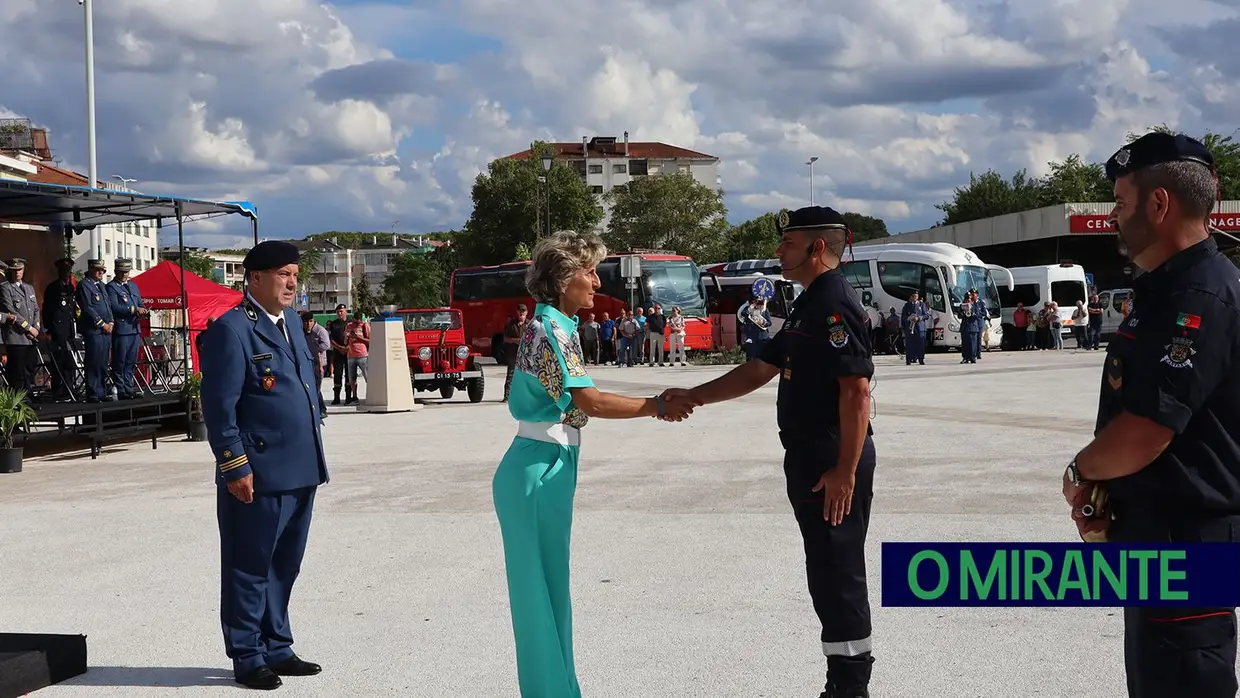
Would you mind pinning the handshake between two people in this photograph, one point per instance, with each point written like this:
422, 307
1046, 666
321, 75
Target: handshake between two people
676, 404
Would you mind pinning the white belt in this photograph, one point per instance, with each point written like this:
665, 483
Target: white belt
551, 432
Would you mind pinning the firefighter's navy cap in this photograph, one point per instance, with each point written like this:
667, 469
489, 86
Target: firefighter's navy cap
810, 217
271, 254
1154, 149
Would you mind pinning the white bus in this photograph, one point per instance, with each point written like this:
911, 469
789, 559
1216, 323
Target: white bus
886, 274
1064, 284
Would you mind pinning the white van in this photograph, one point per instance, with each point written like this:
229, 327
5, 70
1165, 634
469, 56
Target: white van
1113, 301
1064, 284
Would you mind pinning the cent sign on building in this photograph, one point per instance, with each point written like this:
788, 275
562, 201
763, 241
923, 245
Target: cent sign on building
1101, 225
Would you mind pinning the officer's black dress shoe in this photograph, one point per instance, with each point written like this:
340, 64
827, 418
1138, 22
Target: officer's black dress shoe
833, 691
295, 666
262, 678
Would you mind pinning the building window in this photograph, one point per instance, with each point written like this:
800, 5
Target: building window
596, 189
682, 169
619, 169
107, 247
580, 166
639, 167
596, 169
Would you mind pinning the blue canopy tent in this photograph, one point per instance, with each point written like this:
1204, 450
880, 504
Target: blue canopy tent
73, 210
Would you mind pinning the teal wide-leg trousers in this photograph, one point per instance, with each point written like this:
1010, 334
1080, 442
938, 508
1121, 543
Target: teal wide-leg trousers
533, 492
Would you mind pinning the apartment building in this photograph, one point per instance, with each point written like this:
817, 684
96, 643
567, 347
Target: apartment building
228, 269
139, 240
332, 280
605, 162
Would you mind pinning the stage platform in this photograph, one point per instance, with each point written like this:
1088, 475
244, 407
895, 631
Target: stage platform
100, 422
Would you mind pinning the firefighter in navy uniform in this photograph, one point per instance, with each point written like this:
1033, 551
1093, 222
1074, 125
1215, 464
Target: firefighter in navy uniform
1164, 464
60, 313
262, 416
823, 358
95, 322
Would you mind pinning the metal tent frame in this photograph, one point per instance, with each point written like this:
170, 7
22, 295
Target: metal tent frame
73, 210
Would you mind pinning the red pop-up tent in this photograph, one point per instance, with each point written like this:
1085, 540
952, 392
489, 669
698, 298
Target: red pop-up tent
160, 287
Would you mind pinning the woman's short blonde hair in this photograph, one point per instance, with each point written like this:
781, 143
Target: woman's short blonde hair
557, 259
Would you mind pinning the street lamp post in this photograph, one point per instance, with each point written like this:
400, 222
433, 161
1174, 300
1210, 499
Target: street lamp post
546, 163
96, 235
124, 226
811, 178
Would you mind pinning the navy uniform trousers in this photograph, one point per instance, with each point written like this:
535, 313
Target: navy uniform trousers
835, 559
98, 347
262, 544
125, 362
1177, 651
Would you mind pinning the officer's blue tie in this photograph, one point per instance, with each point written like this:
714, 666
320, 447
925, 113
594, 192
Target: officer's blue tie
280, 325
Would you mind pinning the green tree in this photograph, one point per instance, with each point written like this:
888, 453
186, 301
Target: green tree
756, 238
416, 281
670, 212
510, 200
1076, 181
364, 299
989, 194
200, 264
866, 227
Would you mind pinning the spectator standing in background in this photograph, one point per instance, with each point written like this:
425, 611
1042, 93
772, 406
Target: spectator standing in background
320, 343
358, 353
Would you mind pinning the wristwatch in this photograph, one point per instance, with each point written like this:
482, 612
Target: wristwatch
1074, 475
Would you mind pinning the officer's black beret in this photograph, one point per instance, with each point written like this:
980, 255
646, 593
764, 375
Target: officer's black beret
810, 217
342, 306
64, 262
271, 254
1156, 148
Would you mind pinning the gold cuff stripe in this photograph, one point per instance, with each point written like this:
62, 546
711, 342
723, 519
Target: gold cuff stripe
234, 463
234, 466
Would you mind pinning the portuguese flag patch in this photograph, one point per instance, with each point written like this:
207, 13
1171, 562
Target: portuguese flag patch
1191, 322
835, 320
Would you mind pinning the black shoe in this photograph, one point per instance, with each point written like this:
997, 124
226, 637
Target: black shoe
262, 679
833, 691
295, 666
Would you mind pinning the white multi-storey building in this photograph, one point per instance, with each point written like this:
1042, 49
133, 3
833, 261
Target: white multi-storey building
605, 162
333, 279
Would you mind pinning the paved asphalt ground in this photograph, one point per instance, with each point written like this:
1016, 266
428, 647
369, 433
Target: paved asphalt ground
688, 575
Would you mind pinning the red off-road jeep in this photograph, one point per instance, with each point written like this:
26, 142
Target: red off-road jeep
439, 358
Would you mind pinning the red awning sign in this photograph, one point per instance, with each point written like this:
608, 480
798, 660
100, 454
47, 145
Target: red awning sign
1099, 224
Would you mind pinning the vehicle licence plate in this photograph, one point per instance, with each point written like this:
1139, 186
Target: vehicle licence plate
445, 376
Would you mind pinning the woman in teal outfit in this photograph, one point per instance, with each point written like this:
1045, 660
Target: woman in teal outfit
552, 398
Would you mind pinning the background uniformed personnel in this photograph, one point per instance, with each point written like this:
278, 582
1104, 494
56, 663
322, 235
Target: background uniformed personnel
22, 326
60, 313
823, 357
262, 416
1166, 450
128, 311
95, 324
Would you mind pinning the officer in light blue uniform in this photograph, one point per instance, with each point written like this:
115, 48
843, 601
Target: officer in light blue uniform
128, 311
96, 324
262, 416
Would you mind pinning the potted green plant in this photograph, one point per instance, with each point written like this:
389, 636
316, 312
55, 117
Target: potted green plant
15, 413
192, 392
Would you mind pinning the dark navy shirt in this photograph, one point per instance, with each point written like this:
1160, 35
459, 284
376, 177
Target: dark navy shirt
1174, 362
824, 339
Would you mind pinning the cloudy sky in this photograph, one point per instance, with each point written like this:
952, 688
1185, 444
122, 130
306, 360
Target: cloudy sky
361, 113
